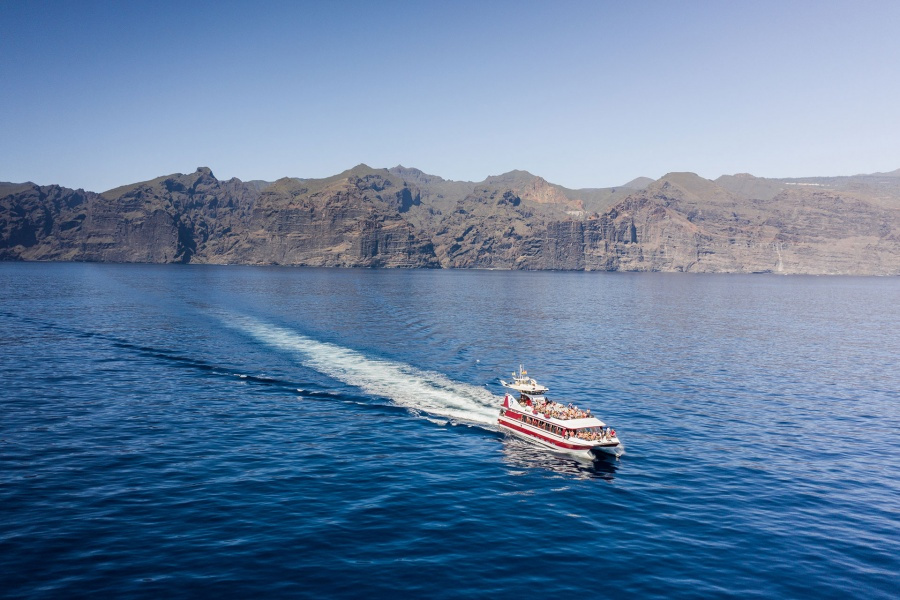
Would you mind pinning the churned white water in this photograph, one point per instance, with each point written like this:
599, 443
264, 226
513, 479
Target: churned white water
415, 389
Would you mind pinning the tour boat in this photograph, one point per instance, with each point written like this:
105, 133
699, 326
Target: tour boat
564, 428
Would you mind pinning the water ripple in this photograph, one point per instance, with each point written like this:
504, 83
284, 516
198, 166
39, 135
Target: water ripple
187, 432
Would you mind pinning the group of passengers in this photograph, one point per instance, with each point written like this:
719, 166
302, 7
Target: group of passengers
593, 435
558, 411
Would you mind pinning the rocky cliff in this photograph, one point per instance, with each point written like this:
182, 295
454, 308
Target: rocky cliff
406, 218
353, 219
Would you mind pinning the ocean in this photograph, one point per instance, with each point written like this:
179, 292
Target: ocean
188, 431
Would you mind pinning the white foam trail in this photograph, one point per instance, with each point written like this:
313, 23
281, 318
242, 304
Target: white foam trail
413, 388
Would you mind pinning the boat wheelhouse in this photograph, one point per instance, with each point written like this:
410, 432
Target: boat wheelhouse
564, 428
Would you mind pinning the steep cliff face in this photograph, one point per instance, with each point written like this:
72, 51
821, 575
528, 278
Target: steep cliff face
42, 222
489, 229
405, 218
685, 223
355, 219
164, 220
170, 219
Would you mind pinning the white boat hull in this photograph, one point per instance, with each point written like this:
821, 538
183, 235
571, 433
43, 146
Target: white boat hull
571, 446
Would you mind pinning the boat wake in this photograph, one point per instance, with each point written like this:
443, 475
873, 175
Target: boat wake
416, 389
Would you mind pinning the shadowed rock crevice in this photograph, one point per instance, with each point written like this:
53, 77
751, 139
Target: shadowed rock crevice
187, 246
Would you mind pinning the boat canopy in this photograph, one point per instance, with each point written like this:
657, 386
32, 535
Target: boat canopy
577, 423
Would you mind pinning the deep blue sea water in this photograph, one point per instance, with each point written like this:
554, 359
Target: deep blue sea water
191, 431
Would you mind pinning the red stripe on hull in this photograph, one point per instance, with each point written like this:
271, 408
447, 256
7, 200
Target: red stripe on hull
554, 441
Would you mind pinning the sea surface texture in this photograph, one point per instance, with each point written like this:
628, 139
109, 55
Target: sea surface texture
189, 431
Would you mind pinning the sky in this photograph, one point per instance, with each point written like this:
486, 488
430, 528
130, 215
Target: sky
583, 93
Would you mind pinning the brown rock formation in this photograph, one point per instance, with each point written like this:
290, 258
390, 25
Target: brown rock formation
406, 218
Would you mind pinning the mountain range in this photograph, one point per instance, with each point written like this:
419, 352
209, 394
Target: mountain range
403, 217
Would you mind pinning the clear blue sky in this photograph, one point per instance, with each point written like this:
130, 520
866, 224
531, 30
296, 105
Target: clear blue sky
585, 94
